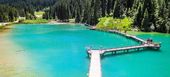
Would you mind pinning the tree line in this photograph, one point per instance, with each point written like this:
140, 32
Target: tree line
8, 14
147, 15
25, 8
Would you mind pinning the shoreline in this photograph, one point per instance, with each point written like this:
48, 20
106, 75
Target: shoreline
13, 61
140, 33
131, 32
3, 28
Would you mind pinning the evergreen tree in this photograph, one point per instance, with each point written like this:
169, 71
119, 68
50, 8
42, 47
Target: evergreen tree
145, 22
8, 14
138, 18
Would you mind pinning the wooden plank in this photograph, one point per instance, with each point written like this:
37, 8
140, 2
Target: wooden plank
127, 35
95, 65
125, 48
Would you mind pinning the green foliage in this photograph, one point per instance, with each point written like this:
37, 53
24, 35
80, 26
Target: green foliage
145, 22
1, 27
62, 9
39, 13
8, 14
108, 23
86, 11
35, 5
26, 8
153, 15
147, 15
36, 21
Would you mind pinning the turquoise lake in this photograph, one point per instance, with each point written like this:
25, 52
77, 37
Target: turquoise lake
60, 51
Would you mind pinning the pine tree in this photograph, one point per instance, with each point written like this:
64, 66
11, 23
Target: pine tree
139, 17
145, 22
120, 8
104, 7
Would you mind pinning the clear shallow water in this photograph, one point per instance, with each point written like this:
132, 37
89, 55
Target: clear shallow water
60, 51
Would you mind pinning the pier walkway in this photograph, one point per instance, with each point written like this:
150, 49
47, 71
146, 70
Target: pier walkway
127, 35
126, 49
95, 65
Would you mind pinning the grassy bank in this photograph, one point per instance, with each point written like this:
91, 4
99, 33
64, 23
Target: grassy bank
1, 27
4, 27
39, 13
36, 21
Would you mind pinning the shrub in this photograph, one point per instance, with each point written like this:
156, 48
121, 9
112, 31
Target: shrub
107, 23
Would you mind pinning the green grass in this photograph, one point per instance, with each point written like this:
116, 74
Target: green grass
39, 13
1, 27
72, 20
36, 21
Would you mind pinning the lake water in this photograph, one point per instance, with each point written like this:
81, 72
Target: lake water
60, 51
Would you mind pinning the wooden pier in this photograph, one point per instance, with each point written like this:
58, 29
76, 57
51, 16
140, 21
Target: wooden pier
95, 65
126, 49
128, 36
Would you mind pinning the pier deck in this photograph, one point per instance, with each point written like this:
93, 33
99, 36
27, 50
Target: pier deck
144, 46
95, 65
129, 36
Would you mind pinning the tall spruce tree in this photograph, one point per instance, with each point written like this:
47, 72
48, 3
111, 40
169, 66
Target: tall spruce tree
145, 22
